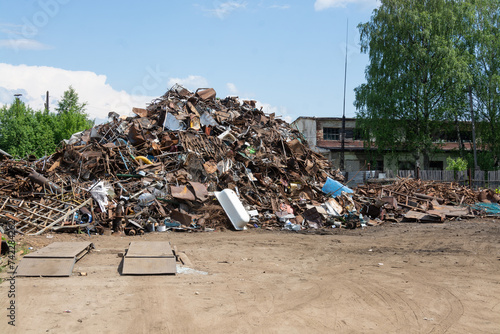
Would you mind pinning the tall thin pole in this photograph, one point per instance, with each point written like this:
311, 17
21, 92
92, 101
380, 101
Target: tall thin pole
471, 105
18, 101
47, 101
342, 155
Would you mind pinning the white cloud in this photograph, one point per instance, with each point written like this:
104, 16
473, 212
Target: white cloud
22, 44
325, 4
192, 82
34, 81
231, 87
224, 9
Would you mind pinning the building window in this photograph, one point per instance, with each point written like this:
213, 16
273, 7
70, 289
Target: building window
406, 165
435, 165
331, 134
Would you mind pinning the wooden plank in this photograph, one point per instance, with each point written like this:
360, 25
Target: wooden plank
149, 249
3, 205
43, 216
67, 214
61, 250
149, 266
19, 221
35, 214
8, 215
45, 267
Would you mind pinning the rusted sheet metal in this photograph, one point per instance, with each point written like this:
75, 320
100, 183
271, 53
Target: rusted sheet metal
135, 135
200, 190
205, 93
451, 211
140, 112
92, 154
43, 181
56, 259
149, 258
424, 217
182, 192
183, 218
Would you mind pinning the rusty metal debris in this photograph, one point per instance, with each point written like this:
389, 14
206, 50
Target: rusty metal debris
417, 200
161, 168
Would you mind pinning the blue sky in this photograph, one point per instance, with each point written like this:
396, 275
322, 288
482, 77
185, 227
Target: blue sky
288, 55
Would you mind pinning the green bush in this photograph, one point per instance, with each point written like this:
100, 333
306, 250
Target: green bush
457, 165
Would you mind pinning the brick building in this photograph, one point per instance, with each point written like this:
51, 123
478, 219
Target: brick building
324, 135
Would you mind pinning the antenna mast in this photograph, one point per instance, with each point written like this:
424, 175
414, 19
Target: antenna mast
342, 153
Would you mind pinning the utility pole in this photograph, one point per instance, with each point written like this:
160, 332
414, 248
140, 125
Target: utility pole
47, 102
17, 103
18, 96
473, 119
342, 135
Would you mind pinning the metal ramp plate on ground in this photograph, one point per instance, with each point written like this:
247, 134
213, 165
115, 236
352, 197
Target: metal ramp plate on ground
149, 258
57, 259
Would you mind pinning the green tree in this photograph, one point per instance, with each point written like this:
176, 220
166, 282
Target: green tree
456, 165
25, 131
483, 44
71, 117
415, 69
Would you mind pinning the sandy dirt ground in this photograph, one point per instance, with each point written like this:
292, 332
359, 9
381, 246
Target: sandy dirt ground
394, 278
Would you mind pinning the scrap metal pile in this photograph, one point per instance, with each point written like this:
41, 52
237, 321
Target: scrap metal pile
423, 201
193, 162
161, 168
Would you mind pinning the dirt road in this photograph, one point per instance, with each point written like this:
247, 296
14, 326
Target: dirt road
394, 278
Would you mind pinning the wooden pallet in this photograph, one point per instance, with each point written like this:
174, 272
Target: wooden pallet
34, 218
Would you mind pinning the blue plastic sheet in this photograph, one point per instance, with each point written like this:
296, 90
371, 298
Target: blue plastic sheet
488, 208
335, 188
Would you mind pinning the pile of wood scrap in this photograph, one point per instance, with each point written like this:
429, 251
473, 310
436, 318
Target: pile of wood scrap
417, 200
403, 188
